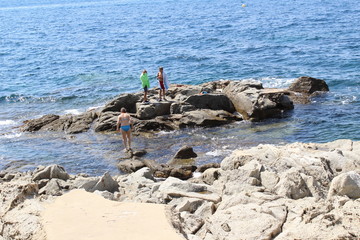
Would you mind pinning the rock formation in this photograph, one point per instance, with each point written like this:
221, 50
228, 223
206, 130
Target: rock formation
294, 191
187, 106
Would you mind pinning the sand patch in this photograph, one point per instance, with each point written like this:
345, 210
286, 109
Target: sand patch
82, 215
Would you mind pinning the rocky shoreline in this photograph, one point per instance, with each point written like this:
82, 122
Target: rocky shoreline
225, 101
296, 191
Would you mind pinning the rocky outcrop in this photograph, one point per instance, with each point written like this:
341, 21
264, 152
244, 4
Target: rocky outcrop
299, 191
346, 184
127, 101
50, 172
255, 103
304, 88
211, 101
187, 106
70, 124
309, 85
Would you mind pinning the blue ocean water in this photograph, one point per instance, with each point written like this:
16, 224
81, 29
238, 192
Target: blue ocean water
68, 56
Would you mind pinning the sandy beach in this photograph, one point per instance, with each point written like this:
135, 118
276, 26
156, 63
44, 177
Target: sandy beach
82, 215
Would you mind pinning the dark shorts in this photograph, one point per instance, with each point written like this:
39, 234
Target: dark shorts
162, 85
145, 88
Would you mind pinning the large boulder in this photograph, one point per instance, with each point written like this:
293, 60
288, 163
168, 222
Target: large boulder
247, 221
255, 103
181, 107
36, 124
69, 123
173, 187
211, 101
131, 165
127, 101
50, 172
346, 184
181, 92
106, 183
106, 122
185, 152
205, 118
309, 85
292, 185
152, 110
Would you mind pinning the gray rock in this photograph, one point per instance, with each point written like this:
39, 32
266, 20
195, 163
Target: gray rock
139, 153
106, 122
181, 107
202, 168
173, 187
308, 85
86, 183
254, 168
36, 124
127, 101
191, 223
269, 180
255, 103
152, 110
105, 194
185, 152
53, 187
205, 118
131, 165
346, 184
210, 175
49, 172
292, 185
211, 101
80, 123
181, 92
106, 183
181, 173
249, 221
70, 124
189, 205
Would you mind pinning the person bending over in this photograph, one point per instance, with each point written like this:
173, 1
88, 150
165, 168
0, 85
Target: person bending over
123, 125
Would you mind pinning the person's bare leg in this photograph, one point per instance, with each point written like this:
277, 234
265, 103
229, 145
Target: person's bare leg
164, 94
128, 135
124, 138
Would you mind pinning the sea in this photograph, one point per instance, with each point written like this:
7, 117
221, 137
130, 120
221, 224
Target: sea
69, 56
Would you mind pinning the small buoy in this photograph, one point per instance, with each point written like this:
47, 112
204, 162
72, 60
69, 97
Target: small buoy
244, 5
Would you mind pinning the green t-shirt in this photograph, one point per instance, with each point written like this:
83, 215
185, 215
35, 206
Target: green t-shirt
144, 80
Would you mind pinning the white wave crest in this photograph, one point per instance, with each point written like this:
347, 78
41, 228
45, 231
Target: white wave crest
11, 135
214, 153
73, 111
7, 122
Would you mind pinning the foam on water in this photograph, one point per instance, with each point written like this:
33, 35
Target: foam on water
11, 135
73, 111
7, 122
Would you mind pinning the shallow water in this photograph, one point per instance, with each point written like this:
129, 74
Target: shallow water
68, 56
